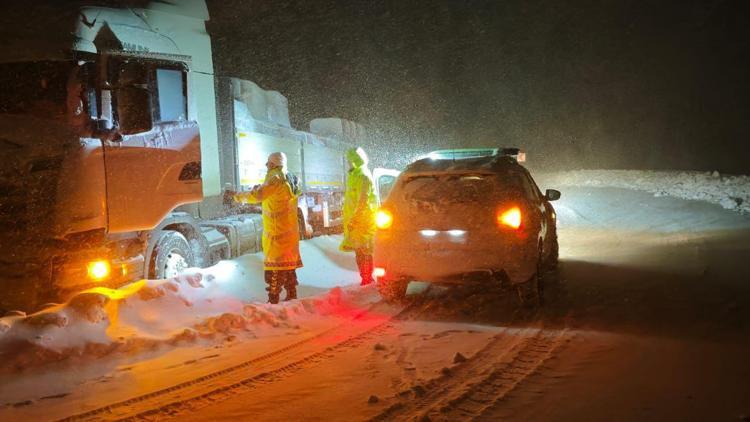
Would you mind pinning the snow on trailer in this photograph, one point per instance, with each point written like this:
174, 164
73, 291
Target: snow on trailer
261, 126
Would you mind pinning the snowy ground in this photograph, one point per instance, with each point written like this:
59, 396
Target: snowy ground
648, 318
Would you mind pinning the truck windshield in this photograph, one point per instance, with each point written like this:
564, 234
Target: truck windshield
35, 88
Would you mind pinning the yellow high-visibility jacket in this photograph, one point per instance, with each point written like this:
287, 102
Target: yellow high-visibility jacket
360, 205
280, 227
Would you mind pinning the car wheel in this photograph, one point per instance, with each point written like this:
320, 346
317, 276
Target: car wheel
554, 253
392, 290
531, 292
171, 255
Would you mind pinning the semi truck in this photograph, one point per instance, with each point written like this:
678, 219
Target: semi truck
118, 143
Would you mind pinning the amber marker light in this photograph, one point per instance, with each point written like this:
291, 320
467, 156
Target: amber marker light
98, 270
510, 218
383, 219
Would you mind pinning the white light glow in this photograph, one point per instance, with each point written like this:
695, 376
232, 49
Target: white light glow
428, 233
456, 232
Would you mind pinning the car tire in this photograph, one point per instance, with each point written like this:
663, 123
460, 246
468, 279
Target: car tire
171, 255
554, 253
392, 290
531, 292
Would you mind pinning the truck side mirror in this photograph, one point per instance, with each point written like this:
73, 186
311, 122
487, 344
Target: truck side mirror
134, 110
552, 195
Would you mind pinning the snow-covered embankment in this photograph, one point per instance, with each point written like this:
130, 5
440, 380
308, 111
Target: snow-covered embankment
198, 305
731, 192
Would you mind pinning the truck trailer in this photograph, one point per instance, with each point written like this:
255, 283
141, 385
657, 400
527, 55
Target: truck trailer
118, 141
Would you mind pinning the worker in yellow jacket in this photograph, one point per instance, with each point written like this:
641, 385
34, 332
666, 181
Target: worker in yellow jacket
360, 205
278, 196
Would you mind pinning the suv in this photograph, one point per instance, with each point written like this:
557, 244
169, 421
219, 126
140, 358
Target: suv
466, 212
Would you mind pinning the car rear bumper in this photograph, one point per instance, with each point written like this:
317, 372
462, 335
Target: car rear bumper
445, 262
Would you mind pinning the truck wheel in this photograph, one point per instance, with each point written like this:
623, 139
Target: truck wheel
392, 290
172, 254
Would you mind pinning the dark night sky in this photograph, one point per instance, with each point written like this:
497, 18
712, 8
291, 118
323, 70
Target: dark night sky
644, 84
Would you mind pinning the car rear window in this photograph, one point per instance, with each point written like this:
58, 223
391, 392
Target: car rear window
463, 188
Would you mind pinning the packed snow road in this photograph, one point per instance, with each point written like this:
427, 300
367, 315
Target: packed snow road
647, 318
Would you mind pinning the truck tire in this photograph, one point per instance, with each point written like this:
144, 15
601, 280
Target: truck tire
171, 255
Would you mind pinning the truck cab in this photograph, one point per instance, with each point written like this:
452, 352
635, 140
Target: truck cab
118, 145
100, 141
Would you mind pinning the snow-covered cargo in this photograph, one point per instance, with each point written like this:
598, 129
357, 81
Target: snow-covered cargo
261, 104
336, 128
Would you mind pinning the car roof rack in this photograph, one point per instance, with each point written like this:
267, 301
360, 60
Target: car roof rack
463, 153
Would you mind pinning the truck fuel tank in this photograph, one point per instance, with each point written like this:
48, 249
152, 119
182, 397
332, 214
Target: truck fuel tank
243, 232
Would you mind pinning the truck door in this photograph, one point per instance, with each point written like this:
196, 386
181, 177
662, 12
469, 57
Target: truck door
152, 159
385, 179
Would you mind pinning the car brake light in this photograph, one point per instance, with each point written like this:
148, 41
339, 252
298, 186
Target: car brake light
383, 219
378, 272
510, 218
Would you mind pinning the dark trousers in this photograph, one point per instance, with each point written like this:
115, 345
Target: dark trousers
278, 279
365, 265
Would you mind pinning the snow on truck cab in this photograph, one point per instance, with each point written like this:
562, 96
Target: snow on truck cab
462, 212
117, 142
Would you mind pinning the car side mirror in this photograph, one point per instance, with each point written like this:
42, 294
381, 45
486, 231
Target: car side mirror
552, 195
134, 110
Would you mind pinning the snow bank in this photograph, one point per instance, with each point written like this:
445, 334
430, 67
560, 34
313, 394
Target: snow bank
197, 305
731, 192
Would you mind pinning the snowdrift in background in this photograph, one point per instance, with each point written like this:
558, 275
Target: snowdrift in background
731, 192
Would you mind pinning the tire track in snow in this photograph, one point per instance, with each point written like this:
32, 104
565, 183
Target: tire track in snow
504, 378
225, 383
481, 382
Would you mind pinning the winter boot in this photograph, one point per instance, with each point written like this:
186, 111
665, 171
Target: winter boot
365, 265
274, 286
290, 284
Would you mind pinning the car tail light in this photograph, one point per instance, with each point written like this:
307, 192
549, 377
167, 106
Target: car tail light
383, 219
510, 218
378, 272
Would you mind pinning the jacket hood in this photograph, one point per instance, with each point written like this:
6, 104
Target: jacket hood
357, 157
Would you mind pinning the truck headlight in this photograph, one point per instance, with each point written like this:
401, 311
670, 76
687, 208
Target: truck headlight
98, 270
